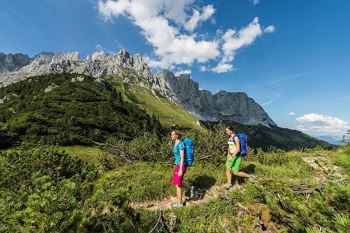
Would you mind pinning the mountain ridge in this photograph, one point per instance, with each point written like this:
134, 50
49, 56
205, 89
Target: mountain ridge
181, 89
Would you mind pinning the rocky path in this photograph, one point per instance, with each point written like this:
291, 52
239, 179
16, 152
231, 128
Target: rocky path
324, 169
202, 196
322, 166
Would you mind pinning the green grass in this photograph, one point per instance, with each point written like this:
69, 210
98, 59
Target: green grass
86, 153
167, 112
342, 159
152, 181
278, 173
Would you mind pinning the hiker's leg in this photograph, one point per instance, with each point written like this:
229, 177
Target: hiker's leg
236, 167
228, 175
179, 193
236, 183
241, 174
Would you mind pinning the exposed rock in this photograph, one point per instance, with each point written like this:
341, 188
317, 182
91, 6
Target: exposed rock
8, 97
80, 78
50, 88
127, 81
205, 106
12, 62
61, 57
181, 90
42, 59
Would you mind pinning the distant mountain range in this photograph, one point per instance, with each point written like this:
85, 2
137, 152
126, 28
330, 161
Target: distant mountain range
173, 99
331, 139
181, 90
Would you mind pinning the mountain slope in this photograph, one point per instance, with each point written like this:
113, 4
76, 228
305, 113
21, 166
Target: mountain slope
273, 137
11, 62
169, 114
180, 90
69, 109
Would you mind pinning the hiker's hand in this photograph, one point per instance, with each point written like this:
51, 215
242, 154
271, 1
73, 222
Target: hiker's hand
231, 158
180, 173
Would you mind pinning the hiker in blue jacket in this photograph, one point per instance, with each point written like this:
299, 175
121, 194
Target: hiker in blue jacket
180, 168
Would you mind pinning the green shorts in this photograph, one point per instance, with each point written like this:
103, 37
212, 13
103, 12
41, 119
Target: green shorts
235, 163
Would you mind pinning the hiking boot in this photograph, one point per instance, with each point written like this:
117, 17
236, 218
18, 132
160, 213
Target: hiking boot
192, 192
228, 186
177, 205
251, 178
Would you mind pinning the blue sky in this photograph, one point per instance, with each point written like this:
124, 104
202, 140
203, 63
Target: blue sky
291, 56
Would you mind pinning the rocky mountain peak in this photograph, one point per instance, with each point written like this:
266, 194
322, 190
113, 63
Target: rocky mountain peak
67, 56
43, 58
11, 62
99, 55
179, 89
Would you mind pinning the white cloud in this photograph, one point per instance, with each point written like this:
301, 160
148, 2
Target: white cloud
162, 23
169, 44
222, 68
197, 17
318, 124
291, 114
203, 68
233, 41
179, 72
256, 2
270, 29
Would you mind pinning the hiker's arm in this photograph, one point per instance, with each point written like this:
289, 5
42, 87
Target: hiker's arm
228, 150
237, 147
182, 155
233, 154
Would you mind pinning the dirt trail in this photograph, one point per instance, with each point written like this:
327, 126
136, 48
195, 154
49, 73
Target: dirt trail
322, 166
216, 191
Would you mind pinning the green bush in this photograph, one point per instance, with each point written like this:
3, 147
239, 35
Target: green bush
45, 190
343, 160
72, 113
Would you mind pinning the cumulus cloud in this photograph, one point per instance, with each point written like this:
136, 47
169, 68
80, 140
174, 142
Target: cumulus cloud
222, 68
203, 68
233, 41
318, 124
169, 29
270, 29
197, 17
291, 114
179, 72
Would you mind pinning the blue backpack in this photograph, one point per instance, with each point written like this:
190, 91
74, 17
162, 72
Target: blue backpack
189, 152
243, 143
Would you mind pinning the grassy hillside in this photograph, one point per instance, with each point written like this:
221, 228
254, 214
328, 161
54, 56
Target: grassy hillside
168, 113
54, 110
273, 137
60, 109
57, 192
118, 184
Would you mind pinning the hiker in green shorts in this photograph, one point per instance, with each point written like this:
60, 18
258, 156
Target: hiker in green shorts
234, 158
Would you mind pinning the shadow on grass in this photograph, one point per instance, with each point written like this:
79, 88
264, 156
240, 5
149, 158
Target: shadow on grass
250, 169
203, 182
200, 185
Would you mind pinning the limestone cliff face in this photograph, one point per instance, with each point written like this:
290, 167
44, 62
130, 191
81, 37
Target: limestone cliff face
11, 62
181, 90
231, 106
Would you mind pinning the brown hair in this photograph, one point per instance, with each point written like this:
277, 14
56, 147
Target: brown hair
231, 128
176, 132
